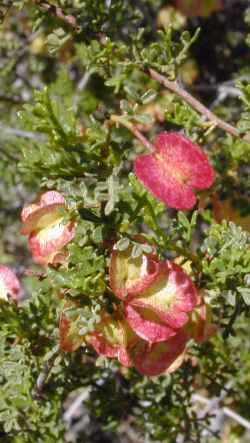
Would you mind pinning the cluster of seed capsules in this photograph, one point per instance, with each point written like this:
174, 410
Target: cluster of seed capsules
159, 308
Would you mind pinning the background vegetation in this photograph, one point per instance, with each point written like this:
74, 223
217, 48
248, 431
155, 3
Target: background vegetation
66, 67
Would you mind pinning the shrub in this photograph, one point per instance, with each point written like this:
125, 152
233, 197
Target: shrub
125, 268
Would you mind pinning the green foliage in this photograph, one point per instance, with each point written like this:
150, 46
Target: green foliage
228, 263
67, 68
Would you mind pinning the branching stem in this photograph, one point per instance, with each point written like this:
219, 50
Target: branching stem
173, 86
198, 106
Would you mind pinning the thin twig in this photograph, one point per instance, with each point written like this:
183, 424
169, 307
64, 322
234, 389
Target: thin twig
83, 81
44, 374
81, 85
236, 417
23, 134
58, 13
69, 414
170, 85
198, 106
15, 99
214, 407
132, 128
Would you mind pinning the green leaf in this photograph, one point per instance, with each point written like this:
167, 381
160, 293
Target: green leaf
132, 93
137, 250
145, 119
183, 219
57, 39
231, 298
245, 293
113, 189
123, 244
148, 96
126, 107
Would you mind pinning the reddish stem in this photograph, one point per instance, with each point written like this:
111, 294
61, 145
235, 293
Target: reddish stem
132, 128
57, 12
198, 106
